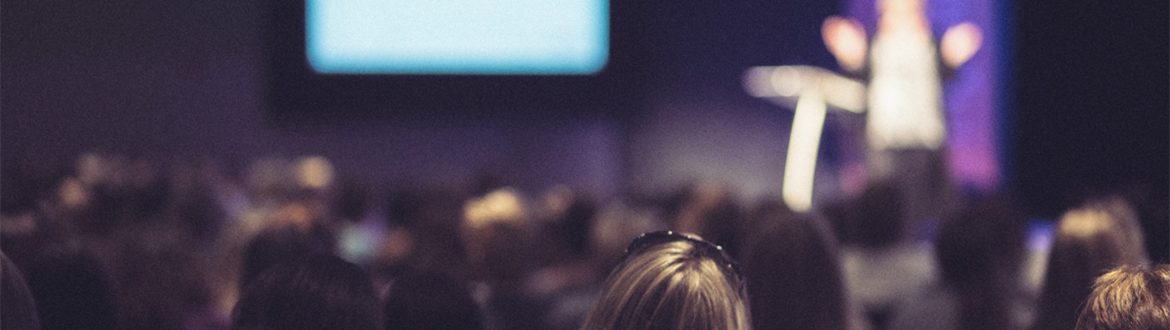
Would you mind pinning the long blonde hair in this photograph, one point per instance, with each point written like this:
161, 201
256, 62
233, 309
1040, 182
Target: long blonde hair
672, 285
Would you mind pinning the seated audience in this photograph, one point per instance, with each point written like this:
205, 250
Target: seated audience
317, 292
671, 280
422, 234
129, 242
1128, 297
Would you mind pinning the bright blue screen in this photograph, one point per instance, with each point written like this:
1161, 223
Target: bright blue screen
512, 37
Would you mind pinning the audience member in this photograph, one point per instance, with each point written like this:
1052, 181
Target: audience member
671, 280
711, 211
431, 301
423, 233
317, 292
72, 291
566, 285
1128, 297
579, 286
794, 275
979, 252
508, 263
883, 267
1088, 241
278, 245
20, 311
159, 282
616, 226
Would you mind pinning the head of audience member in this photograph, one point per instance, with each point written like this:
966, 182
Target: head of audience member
502, 210
671, 280
510, 256
841, 215
423, 231
281, 244
571, 218
119, 191
72, 290
711, 211
979, 251
20, 311
1119, 208
193, 203
352, 200
427, 300
317, 292
616, 226
1128, 297
794, 274
1088, 241
409, 207
880, 217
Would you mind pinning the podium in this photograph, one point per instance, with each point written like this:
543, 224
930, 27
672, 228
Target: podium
810, 92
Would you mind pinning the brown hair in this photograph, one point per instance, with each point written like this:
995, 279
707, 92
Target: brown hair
670, 285
1128, 297
795, 275
978, 253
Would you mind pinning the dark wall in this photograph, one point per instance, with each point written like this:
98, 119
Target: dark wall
1092, 101
1093, 114
186, 79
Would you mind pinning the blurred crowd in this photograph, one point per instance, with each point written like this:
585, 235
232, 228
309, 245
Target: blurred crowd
115, 242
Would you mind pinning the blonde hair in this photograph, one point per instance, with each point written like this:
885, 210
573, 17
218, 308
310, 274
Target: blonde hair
1128, 297
671, 285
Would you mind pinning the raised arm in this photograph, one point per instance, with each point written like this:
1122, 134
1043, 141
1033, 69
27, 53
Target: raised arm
959, 43
846, 40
